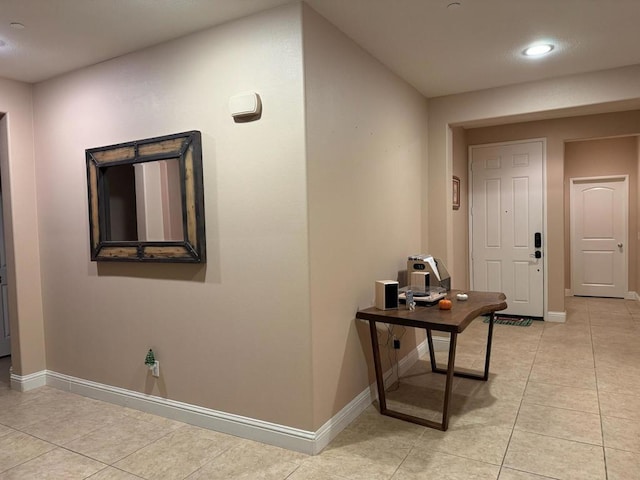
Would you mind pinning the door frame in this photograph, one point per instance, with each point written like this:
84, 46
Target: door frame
545, 266
594, 179
10, 304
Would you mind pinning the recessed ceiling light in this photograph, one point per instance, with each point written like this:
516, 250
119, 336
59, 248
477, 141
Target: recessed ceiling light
17, 25
537, 50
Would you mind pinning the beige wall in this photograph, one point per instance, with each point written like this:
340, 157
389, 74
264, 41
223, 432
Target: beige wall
502, 106
460, 218
234, 334
365, 149
602, 157
557, 132
305, 209
17, 167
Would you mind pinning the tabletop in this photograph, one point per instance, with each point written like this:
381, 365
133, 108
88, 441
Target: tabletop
456, 320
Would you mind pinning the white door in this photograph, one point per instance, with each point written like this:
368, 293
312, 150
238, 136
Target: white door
5, 338
599, 236
506, 224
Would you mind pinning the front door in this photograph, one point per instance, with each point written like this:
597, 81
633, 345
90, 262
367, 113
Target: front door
506, 223
599, 237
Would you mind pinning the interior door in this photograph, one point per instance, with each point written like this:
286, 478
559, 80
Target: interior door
599, 237
5, 337
506, 224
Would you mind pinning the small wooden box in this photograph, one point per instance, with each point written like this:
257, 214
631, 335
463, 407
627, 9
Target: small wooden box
387, 294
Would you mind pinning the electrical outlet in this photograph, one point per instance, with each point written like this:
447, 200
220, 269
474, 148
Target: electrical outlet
155, 369
396, 344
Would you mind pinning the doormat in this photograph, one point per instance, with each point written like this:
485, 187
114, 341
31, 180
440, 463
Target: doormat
504, 320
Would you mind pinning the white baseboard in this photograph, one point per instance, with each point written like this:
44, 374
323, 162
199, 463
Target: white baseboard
341, 420
558, 317
245, 427
350, 412
390, 376
440, 344
304, 441
404, 364
24, 383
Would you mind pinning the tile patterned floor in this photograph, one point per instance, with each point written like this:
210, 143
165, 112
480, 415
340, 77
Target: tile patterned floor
563, 402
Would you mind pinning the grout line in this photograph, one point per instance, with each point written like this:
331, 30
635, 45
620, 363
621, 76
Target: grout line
530, 473
562, 408
513, 428
581, 442
33, 458
404, 459
595, 370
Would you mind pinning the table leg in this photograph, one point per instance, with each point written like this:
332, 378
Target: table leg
432, 355
475, 376
381, 392
449, 383
489, 341
378, 366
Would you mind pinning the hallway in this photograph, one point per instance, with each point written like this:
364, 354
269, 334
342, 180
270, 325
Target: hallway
563, 402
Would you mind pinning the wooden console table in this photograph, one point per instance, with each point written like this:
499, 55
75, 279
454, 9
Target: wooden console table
431, 318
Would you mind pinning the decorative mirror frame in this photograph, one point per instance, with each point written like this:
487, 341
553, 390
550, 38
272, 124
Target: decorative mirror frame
456, 193
187, 149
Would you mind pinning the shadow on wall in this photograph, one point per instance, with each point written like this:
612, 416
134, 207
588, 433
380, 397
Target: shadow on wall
161, 271
153, 385
388, 355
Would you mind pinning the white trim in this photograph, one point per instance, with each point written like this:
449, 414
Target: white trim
440, 344
24, 383
341, 420
350, 412
404, 364
304, 441
632, 296
558, 317
545, 232
568, 292
245, 427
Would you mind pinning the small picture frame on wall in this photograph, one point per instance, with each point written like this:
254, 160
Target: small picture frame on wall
456, 192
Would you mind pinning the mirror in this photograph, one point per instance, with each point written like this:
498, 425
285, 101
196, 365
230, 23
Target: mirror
146, 201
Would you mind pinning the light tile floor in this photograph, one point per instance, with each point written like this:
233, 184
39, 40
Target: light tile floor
563, 402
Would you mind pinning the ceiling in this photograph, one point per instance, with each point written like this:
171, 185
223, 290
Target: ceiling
440, 50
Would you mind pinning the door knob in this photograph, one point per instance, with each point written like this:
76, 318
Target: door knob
619, 244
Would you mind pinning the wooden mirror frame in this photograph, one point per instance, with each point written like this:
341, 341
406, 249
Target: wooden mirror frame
187, 149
